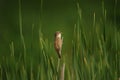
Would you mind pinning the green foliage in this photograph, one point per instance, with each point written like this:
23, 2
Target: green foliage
95, 55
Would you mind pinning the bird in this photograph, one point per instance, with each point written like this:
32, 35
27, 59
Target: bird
58, 41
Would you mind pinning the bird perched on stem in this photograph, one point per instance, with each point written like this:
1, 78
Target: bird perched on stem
58, 41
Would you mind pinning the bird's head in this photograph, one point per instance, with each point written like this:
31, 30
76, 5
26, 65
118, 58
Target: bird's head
58, 34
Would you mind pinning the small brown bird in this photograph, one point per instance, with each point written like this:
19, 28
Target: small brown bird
58, 43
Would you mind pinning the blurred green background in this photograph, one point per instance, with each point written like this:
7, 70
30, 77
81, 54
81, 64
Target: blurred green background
50, 16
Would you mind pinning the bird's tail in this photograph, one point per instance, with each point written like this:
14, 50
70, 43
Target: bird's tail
59, 54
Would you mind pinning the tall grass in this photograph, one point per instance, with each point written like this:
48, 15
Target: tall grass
21, 30
95, 55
